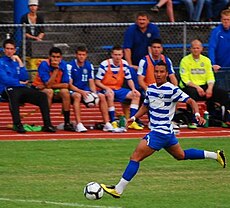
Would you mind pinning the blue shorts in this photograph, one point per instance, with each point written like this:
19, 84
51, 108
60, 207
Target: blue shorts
120, 95
157, 140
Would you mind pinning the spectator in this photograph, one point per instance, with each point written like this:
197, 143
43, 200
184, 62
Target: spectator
194, 9
161, 110
137, 39
169, 8
110, 78
197, 79
13, 87
82, 82
148, 63
53, 79
219, 45
213, 9
33, 32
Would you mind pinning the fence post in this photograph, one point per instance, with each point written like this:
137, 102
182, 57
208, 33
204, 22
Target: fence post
184, 38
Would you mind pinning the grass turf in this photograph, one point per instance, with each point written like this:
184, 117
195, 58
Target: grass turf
53, 174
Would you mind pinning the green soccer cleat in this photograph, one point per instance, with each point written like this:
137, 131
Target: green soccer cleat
111, 190
221, 158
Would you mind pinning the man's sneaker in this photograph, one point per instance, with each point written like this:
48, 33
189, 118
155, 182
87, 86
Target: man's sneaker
155, 9
192, 126
108, 127
50, 129
225, 125
19, 128
114, 124
69, 127
111, 190
80, 128
221, 158
135, 125
140, 123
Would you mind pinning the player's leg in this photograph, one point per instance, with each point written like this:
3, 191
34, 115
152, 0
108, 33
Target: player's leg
195, 154
50, 94
104, 111
65, 96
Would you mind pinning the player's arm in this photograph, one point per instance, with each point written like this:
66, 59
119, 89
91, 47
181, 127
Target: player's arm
195, 109
128, 54
141, 82
173, 79
92, 85
142, 110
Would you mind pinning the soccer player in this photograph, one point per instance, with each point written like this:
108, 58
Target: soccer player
160, 101
110, 78
81, 84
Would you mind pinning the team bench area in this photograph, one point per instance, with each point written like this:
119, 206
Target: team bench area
114, 4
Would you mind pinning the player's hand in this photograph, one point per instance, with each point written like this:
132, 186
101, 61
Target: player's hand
208, 93
201, 92
130, 120
84, 94
200, 120
108, 91
216, 68
54, 64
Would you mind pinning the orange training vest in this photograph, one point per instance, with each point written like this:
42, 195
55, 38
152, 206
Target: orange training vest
114, 81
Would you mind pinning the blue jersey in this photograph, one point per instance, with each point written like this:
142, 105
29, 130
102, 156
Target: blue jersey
219, 46
138, 41
81, 74
161, 102
11, 73
45, 69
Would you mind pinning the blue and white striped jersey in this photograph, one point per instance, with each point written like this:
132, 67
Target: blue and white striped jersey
161, 102
104, 67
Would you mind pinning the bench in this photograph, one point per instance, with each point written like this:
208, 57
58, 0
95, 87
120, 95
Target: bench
114, 4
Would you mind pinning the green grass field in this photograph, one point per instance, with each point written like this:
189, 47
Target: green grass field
52, 174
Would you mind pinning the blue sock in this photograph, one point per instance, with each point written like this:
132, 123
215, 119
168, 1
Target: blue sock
112, 115
193, 154
132, 111
131, 170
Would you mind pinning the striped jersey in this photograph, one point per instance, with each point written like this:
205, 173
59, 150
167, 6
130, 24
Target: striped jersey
161, 102
104, 67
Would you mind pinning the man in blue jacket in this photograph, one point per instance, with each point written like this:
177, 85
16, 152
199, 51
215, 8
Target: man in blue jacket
13, 87
219, 43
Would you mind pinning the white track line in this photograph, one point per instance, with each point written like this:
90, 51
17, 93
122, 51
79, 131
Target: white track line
54, 203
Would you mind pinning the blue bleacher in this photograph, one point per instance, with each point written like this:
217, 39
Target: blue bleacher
110, 3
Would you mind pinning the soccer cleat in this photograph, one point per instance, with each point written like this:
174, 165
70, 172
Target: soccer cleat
114, 124
192, 126
155, 9
221, 158
135, 125
111, 190
19, 128
80, 128
69, 127
50, 129
108, 127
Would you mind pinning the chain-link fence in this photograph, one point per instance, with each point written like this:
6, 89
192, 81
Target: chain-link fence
99, 38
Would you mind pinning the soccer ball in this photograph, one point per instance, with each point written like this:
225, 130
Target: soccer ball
91, 100
93, 191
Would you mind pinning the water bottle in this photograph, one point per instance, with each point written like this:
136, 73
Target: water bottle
122, 121
206, 117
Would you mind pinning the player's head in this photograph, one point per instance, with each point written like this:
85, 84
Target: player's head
142, 20
225, 18
196, 48
156, 47
9, 46
117, 54
55, 55
161, 73
33, 5
81, 54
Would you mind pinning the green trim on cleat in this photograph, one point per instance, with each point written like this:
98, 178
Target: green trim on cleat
221, 158
110, 190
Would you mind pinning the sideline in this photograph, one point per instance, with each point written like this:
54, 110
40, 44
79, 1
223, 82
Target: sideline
54, 203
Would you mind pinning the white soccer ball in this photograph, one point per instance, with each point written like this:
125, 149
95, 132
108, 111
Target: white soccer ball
91, 100
93, 191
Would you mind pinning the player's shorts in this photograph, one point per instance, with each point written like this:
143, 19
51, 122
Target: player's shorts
157, 140
120, 95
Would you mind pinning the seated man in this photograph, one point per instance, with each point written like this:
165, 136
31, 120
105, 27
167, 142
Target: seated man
81, 84
13, 87
110, 78
148, 63
198, 81
53, 79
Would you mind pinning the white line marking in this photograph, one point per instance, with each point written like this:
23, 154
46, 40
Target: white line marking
55, 203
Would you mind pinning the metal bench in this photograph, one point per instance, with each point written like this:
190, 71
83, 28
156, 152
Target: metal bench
110, 3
